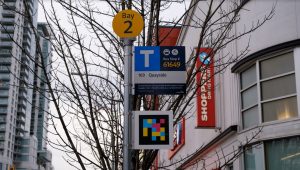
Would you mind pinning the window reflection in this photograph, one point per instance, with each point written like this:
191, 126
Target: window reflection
280, 109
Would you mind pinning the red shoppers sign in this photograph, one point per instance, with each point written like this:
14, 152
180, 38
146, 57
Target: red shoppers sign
205, 93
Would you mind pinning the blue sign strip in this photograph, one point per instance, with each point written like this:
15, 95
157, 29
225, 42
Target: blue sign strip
141, 89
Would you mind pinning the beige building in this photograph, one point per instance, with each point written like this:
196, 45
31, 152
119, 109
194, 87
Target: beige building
256, 98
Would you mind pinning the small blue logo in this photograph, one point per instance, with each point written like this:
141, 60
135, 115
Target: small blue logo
204, 58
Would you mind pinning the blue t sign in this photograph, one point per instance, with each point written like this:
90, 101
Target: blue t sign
147, 58
159, 70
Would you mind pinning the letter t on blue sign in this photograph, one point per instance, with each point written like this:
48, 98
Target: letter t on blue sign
147, 58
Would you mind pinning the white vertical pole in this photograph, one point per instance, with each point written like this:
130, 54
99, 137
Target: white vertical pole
127, 156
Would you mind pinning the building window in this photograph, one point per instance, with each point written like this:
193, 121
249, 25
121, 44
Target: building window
283, 154
229, 166
253, 157
276, 154
249, 97
268, 90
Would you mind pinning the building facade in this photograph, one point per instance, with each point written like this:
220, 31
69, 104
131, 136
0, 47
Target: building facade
256, 98
39, 116
18, 144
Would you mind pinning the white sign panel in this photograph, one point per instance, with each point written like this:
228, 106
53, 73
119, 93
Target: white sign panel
152, 129
159, 70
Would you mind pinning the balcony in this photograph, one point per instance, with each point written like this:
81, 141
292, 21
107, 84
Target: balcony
19, 135
4, 69
27, 51
26, 41
4, 101
7, 29
6, 44
8, 13
21, 110
5, 60
11, 3
21, 120
20, 127
45, 155
27, 30
2, 119
2, 145
21, 158
3, 110
4, 93
21, 150
30, 5
22, 89
27, 35
22, 103
24, 79
3, 84
22, 97
25, 66
2, 127
3, 77
17, 151
7, 21
24, 72
18, 143
5, 51
7, 37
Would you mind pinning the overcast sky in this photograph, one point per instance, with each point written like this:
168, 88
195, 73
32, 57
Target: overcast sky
57, 156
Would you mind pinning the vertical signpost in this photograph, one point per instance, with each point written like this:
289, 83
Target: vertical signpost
158, 70
127, 24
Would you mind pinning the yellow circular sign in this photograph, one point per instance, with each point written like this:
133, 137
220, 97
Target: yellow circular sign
128, 24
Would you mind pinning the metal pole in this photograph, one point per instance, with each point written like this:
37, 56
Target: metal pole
127, 156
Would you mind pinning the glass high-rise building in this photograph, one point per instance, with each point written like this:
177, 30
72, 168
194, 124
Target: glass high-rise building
39, 116
23, 101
